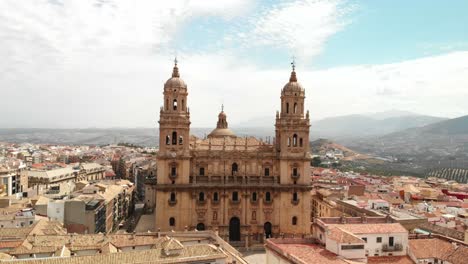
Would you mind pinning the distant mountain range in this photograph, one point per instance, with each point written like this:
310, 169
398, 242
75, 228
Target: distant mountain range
349, 126
386, 133
360, 126
444, 143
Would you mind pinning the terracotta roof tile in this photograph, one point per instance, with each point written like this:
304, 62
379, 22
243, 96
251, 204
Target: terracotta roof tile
431, 248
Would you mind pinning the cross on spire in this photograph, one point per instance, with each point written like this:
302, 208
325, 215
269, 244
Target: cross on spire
222, 107
293, 63
293, 77
175, 61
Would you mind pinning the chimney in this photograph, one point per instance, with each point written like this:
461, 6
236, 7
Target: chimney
364, 218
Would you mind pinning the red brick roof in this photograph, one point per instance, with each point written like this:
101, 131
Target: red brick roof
372, 228
390, 260
430, 248
341, 236
305, 253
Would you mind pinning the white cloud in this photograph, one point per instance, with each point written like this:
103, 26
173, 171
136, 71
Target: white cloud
78, 64
301, 26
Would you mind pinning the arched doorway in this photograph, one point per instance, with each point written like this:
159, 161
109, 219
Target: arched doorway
200, 226
234, 229
267, 229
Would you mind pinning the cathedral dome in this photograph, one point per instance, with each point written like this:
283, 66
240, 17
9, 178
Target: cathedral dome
222, 129
175, 81
293, 85
222, 132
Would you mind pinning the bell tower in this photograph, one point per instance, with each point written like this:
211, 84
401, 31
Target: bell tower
174, 132
292, 133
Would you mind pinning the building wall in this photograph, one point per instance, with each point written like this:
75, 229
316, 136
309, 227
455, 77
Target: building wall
75, 217
56, 210
372, 247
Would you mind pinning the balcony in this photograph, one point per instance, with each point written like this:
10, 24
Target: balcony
396, 247
235, 202
201, 202
234, 180
172, 202
295, 176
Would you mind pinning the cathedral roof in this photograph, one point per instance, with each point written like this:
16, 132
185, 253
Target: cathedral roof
222, 129
231, 144
222, 132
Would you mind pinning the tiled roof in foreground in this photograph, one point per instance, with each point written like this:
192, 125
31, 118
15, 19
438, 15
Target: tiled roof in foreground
194, 253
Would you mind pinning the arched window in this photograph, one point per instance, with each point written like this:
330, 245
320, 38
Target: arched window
294, 220
235, 196
202, 171
267, 196
172, 221
294, 171
295, 140
174, 138
173, 171
174, 105
167, 104
295, 108
173, 197
201, 196
295, 196
289, 142
234, 168
181, 140
168, 140
215, 196
300, 142
254, 196
287, 108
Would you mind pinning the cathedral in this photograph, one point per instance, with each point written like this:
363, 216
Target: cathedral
243, 187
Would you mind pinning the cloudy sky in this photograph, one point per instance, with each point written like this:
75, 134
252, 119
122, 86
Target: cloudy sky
103, 63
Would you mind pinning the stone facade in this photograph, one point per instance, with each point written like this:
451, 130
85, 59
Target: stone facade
243, 187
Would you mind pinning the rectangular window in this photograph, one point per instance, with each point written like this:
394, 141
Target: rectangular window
173, 171
202, 171
235, 196
267, 171
391, 241
379, 239
345, 247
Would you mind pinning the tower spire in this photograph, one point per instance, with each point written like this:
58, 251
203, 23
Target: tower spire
175, 71
293, 77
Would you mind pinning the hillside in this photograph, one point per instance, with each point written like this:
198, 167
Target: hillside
359, 126
436, 145
322, 146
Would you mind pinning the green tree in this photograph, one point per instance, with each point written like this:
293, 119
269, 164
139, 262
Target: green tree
315, 161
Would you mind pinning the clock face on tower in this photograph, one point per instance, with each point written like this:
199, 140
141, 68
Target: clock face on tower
173, 154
